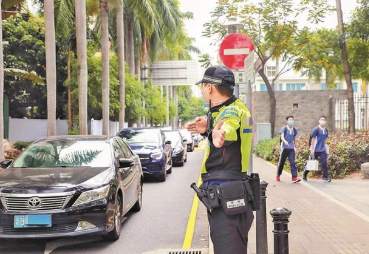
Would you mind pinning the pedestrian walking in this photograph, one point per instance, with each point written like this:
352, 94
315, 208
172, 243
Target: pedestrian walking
288, 150
319, 148
229, 131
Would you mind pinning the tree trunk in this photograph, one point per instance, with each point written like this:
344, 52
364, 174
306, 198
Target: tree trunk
346, 69
122, 85
50, 67
272, 101
131, 46
2, 157
138, 68
105, 65
80, 7
70, 118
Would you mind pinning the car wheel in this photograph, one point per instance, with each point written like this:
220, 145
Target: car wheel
137, 207
169, 171
163, 176
185, 159
115, 233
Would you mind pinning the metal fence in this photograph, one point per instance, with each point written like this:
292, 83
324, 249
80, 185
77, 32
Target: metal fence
361, 105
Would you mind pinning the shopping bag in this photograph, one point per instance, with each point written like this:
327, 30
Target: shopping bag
312, 164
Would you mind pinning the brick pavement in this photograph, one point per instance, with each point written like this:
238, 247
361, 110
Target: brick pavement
318, 224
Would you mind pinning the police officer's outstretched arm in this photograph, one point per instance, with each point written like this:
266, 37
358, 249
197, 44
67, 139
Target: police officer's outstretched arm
218, 135
225, 131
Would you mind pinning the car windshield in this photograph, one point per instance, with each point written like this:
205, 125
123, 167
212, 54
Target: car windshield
186, 134
173, 136
65, 153
140, 136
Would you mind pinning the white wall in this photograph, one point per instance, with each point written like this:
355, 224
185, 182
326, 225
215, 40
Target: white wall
33, 129
96, 127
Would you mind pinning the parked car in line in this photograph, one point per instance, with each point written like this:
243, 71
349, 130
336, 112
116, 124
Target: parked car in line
195, 140
179, 147
154, 150
190, 142
69, 186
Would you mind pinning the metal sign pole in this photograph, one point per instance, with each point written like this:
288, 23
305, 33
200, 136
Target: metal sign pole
249, 106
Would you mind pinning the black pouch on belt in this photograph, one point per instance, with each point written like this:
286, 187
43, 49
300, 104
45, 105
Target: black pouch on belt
233, 197
254, 181
213, 196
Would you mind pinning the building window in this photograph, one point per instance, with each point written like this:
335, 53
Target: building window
263, 88
280, 87
354, 86
295, 87
323, 87
270, 71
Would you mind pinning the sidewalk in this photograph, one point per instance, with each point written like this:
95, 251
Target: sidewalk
320, 223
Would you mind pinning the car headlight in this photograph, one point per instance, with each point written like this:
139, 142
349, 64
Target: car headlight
157, 156
92, 195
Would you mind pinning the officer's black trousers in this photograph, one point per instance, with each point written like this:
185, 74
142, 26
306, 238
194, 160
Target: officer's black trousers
230, 233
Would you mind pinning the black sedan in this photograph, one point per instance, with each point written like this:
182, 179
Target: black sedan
69, 186
179, 146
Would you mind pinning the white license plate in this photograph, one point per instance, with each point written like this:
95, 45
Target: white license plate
235, 203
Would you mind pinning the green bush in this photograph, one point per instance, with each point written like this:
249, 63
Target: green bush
347, 153
21, 144
264, 149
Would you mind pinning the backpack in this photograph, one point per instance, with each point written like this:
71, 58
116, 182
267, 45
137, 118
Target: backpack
311, 135
285, 132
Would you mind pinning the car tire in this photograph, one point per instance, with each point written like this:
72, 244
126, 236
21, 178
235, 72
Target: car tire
169, 171
115, 233
163, 176
137, 207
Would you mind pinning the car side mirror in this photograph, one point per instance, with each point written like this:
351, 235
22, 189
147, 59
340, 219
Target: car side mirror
125, 163
5, 164
168, 142
184, 140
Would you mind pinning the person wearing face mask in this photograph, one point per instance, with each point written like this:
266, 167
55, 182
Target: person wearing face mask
288, 150
226, 160
318, 148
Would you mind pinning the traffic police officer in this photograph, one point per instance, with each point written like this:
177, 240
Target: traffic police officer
227, 155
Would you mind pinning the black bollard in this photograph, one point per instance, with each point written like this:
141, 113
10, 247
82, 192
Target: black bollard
261, 222
280, 218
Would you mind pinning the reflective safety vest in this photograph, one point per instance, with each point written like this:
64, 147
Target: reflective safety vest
231, 161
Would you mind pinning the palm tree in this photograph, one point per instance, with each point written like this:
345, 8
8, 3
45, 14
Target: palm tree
50, 67
122, 88
105, 65
1, 90
80, 12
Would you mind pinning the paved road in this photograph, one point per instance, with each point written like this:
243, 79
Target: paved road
161, 224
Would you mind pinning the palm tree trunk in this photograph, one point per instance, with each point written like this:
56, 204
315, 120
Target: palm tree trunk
122, 85
70, 118
2, 157
131, 46
50, 67
80, 6
346, 69
105, 65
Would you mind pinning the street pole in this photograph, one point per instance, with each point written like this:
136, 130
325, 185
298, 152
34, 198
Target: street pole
232, 24
249, 106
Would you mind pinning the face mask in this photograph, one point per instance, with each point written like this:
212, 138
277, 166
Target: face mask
291, 122
322, 122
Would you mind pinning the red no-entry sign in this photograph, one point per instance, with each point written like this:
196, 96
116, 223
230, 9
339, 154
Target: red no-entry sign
234, 49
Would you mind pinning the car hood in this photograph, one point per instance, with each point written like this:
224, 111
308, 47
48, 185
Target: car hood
48, 180
143, 147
